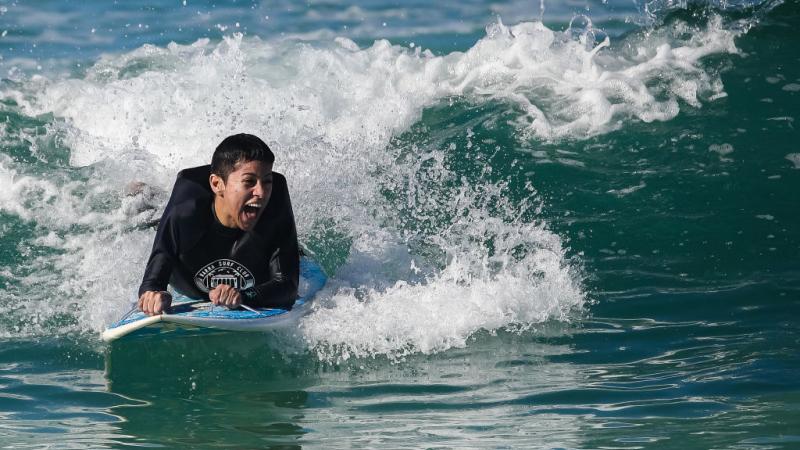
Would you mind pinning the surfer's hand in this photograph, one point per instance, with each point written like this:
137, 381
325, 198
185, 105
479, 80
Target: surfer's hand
154, 302
224, 295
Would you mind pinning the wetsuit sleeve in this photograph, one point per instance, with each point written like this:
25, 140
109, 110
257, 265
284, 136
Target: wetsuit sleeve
162, 257
280, 291
190, 185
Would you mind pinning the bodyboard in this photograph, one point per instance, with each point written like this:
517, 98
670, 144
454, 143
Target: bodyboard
198, 314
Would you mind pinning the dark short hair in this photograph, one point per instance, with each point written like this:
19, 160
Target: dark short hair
236, 149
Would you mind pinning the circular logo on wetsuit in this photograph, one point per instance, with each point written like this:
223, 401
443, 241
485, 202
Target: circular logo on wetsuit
224, 271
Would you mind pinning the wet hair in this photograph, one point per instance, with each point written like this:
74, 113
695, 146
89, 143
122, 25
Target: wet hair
237, 149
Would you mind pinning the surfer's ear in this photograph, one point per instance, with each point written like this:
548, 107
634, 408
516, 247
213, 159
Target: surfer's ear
217, 184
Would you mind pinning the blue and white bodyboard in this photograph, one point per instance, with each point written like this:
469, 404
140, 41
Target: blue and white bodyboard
189, 313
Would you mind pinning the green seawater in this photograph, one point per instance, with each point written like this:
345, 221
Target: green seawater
640, 284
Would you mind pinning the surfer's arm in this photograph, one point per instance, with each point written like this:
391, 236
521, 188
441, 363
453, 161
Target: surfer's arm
157, 273
162, 256
181, 224
280, 291
153, 295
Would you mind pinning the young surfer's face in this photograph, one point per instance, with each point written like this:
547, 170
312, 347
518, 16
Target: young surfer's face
240, 200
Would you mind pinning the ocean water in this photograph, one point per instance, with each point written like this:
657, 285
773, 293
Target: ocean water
546, 224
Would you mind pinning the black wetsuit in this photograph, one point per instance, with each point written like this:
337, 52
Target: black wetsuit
194, 252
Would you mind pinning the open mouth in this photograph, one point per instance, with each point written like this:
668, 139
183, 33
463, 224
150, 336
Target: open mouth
250, 211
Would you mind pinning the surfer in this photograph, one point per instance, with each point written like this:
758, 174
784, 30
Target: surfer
227, 234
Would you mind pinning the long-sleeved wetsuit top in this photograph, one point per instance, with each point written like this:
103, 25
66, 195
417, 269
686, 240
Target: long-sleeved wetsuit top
194, 252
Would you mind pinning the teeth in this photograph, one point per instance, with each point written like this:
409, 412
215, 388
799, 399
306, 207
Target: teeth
252, 208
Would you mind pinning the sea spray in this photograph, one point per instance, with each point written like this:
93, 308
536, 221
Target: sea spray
522, 281
330, 110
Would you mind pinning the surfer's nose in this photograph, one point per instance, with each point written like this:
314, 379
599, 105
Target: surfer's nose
258, 190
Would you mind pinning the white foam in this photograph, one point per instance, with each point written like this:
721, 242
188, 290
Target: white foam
192, 93
51, 203
628, 190
794, 158
329, 111
78, 273
791, 87
722, 149
475, 291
